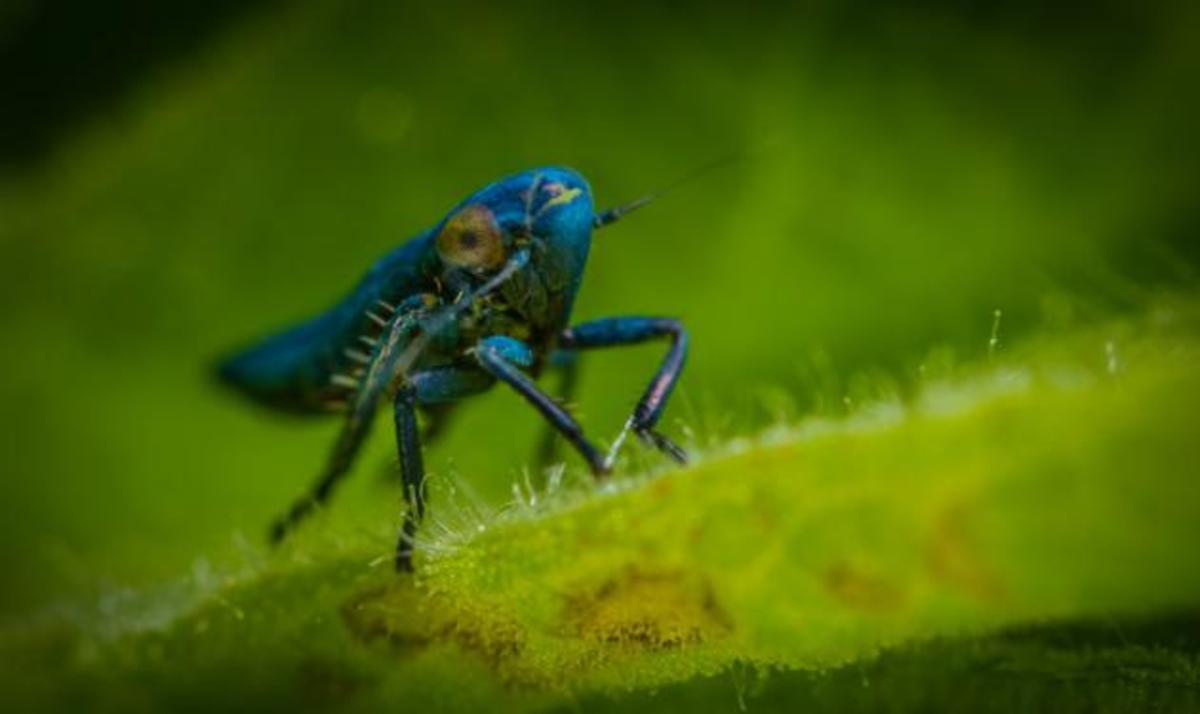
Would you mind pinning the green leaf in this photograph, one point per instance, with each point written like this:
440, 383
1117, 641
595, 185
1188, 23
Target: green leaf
1056, 486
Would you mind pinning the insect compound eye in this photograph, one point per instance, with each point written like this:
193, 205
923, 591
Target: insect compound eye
472, 240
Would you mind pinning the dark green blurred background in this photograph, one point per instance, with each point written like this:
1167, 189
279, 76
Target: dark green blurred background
177, 179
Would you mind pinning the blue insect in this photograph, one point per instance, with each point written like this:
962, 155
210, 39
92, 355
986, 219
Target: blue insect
484, 296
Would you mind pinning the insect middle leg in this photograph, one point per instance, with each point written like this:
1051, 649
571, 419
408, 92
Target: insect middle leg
616, 331
438, 386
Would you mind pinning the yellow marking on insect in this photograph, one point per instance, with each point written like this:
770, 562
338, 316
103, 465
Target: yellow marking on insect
562, 196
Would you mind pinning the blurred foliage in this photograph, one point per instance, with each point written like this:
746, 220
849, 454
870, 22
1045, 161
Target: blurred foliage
905, 171
62, 62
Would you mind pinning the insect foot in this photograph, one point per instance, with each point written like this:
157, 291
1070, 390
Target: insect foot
284, 524
601, 467
648, 436
651, 437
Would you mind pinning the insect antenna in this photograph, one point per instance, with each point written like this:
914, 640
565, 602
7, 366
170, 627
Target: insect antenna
616, 213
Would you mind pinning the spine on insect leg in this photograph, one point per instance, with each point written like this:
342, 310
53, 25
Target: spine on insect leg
375, 375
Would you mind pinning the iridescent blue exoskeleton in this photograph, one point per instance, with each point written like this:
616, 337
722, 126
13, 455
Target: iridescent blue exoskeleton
483, 296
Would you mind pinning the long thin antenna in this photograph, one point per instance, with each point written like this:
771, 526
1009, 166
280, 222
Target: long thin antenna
616, 213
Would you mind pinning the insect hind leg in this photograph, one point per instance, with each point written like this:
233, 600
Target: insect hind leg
354, 430
373, 384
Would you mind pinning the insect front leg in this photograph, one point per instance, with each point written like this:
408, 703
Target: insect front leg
616, 331
412, 473
439, 386
566, 362
503, 358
